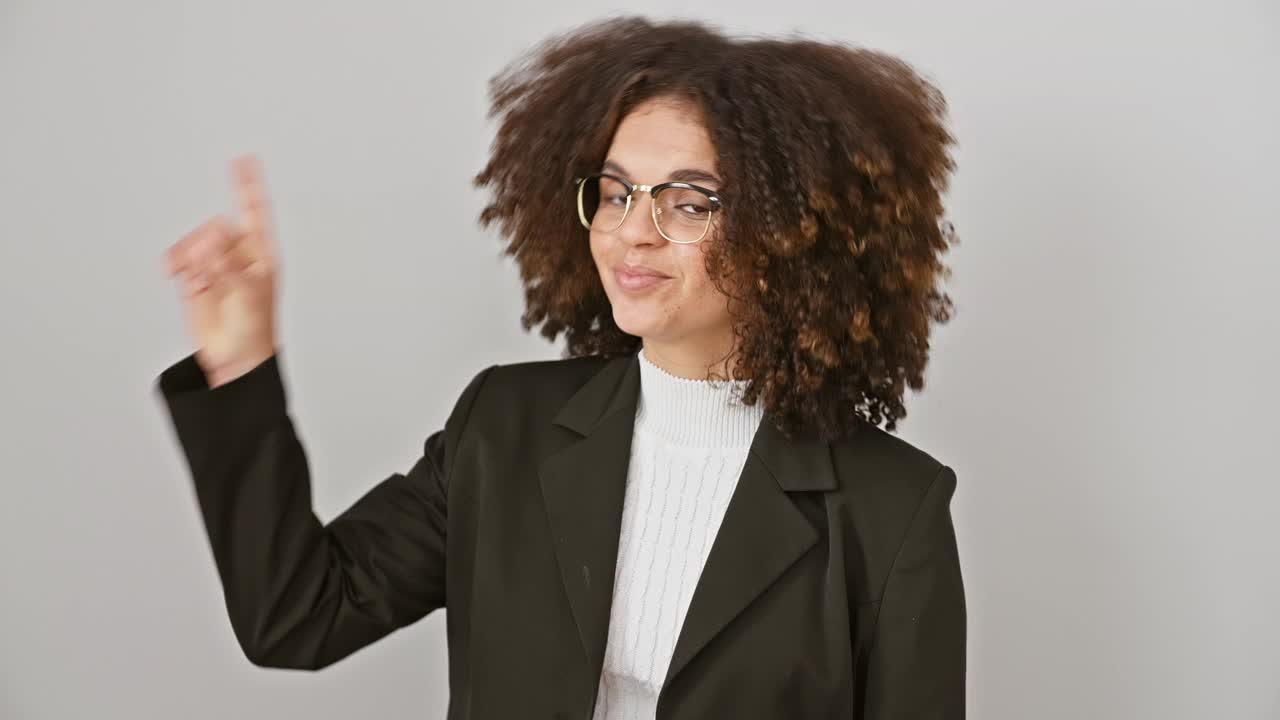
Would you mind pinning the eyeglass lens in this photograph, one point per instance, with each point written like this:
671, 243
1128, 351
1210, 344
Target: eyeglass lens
682, 214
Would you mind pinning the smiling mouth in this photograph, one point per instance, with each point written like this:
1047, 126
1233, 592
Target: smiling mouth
637, 281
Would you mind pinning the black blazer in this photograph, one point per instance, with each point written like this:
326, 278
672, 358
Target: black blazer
832, 590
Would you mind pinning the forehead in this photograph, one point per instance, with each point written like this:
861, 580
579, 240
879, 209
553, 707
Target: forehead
659, 137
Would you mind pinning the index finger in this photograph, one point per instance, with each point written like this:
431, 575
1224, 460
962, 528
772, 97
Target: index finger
251, 196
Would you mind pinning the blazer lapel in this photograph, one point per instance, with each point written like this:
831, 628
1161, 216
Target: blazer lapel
583, 487
763, 533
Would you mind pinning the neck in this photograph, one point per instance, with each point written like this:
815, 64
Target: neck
691, 361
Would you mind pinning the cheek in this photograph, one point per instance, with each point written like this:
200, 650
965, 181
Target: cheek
597, 252
699, 293
693, 265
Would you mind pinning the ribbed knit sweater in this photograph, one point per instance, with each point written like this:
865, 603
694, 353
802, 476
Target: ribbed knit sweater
690, 445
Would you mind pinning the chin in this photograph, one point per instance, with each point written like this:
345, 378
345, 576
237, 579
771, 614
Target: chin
636, 321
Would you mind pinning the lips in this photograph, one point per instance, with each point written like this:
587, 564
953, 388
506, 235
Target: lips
638, 277
640, 270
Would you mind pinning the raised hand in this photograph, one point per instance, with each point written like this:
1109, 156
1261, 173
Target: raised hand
228, 275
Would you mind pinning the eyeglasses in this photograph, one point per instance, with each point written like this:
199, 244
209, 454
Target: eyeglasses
682, 212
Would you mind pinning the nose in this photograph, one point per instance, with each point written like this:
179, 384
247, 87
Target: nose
638, 228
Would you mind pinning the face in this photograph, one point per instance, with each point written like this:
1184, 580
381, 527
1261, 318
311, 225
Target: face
660, 290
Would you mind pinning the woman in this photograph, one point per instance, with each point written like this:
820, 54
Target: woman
694, 514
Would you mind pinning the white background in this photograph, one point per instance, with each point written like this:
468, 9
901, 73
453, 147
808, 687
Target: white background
1107, 392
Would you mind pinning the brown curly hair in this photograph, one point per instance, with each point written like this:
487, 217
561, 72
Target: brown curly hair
833, 161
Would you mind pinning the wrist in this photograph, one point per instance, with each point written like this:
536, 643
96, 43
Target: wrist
231, 371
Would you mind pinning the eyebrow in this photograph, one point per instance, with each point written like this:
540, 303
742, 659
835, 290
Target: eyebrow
689, 175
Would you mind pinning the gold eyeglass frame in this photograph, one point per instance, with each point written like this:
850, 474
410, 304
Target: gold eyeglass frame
653, 191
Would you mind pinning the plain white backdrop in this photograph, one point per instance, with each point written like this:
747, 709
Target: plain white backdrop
1107, 392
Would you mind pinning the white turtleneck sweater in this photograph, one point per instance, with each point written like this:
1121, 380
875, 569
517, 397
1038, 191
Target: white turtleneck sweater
690, 445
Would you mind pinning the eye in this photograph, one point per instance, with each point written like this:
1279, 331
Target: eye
694, 209
686, 203
612, 193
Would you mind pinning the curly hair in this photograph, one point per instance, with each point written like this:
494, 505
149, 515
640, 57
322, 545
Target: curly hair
833, 158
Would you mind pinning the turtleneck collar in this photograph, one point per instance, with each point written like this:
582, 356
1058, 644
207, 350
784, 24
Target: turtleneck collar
694, 413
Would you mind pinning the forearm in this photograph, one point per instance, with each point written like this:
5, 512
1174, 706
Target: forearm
285, 579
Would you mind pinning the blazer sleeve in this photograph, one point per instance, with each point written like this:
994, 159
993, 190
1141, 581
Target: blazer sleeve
917, 663
300, 594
